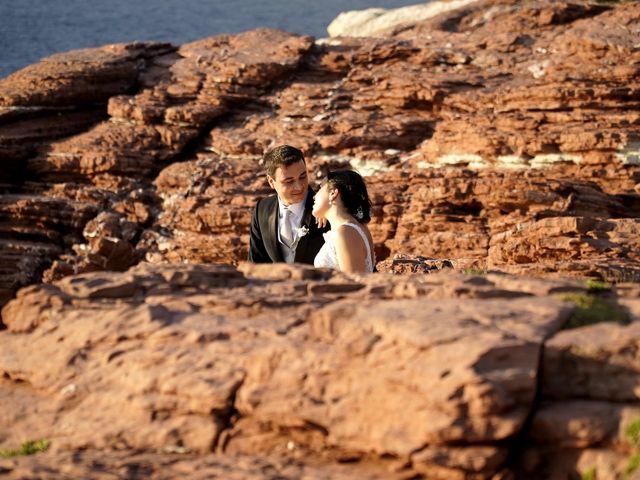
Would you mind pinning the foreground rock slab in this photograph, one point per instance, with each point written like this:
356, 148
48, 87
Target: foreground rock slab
99, 465
437, 372
494, 133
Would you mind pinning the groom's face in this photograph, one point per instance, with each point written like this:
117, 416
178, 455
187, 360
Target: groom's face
291, 182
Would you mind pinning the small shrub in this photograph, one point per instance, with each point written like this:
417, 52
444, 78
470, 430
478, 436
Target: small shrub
632, 465
632, 432
27, 448
597, 286
474, 271
589, 474
591, 309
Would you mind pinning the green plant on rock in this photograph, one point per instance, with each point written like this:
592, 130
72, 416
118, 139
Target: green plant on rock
589, 474
474, 271
632, 434
632, 465
597, 286
27, 448
591, 309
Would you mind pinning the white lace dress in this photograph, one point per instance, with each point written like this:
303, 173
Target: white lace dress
327, 256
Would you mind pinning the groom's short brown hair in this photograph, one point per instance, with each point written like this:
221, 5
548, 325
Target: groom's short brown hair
284, 155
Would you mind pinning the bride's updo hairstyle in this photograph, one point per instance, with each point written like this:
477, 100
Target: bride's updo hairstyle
353, 192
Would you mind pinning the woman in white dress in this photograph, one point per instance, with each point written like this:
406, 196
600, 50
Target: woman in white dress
343, 201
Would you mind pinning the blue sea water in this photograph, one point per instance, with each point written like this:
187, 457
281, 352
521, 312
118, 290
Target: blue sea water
33, 29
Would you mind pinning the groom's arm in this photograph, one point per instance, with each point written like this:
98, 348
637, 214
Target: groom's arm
257, 251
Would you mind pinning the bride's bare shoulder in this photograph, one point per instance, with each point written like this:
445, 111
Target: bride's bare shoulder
345, 229
345, 232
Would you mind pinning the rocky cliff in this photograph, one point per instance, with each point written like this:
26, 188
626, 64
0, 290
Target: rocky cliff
499, 134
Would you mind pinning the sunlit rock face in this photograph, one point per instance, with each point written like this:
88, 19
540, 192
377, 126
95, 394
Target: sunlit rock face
439, 375
495, 136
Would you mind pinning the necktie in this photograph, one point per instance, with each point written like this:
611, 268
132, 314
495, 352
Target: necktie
286, 233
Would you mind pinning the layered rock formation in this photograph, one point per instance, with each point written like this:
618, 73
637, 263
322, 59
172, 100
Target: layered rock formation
497, 136
394, 376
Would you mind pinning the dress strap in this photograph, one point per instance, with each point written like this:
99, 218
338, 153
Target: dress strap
364, 239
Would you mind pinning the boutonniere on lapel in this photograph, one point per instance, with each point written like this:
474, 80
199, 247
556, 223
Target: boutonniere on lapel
301, 232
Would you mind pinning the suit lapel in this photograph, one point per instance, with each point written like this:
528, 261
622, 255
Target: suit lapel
270, 236
307, 221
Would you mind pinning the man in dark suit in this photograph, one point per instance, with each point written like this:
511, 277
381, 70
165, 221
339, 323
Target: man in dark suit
282, 227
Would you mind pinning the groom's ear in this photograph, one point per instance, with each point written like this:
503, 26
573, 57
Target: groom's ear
271, 182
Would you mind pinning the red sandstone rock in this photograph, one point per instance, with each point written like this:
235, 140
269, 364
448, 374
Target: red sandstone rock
589, 391
64, 95
502, 136
176, 463
599, 362
582, 435
420, 112
582, 423
35, 229
206, 210
182, 93
71, 78
208, 357
401, 264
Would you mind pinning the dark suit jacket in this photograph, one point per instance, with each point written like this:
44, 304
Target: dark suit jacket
263, 243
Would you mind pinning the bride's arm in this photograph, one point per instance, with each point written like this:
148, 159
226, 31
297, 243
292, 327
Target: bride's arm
350, 250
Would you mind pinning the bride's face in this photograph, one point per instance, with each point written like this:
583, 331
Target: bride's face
321, 202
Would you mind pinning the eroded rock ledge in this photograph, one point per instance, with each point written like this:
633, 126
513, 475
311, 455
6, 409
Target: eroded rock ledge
438, 375
499, 134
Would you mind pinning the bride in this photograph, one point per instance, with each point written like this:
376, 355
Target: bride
343, 201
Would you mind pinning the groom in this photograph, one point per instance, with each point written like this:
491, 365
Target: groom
282, 227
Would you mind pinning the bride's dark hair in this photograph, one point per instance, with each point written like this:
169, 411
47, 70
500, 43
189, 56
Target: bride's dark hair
353, 192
